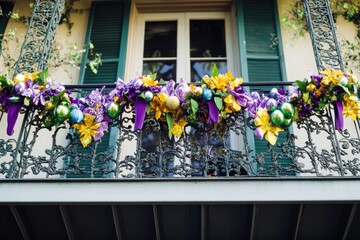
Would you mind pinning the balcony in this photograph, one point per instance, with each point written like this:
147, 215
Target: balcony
215, 184
311, 147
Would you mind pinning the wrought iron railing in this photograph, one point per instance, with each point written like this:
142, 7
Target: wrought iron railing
311, 147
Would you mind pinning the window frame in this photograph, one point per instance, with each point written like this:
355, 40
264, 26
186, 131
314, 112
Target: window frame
183, 59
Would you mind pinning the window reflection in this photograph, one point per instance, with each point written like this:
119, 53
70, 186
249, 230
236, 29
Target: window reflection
207, 38
160, 39
165, 70
202, 68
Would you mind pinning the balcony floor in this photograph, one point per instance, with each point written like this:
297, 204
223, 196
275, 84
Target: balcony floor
251, 208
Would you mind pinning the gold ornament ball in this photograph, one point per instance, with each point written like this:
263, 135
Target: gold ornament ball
173, 103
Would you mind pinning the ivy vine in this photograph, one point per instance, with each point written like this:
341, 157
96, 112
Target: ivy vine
348, 9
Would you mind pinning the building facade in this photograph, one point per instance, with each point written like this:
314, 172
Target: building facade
209, 183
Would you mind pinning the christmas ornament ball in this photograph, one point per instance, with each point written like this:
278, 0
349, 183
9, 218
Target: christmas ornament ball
277, 118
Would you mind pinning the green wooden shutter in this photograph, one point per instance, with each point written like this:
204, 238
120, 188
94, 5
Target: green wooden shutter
261, 59
107, 30
6, 8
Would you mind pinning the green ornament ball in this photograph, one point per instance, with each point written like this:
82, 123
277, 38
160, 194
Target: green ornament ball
287, 123
62, 113
114, 110
277, 118
287, 109
48, 121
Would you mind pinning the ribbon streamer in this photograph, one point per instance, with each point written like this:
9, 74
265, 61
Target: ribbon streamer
213, 113
12, 115
140, 112
339, 119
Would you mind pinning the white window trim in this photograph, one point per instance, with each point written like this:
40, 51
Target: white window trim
183, 47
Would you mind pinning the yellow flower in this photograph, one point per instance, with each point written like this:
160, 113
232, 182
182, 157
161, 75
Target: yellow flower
237, 82
231, 104
148, 81
352, 78
158, 105
221, 81
87, 129
331, 77
31, 76
263, 122
351, 108
178, 127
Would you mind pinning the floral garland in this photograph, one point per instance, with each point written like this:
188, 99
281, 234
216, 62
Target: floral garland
180, 105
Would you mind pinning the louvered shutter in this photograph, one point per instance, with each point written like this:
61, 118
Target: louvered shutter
263, 56
105, 30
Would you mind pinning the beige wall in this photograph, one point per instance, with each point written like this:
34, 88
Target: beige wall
299, 57
64, 40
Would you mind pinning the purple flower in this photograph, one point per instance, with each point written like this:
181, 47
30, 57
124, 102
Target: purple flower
169, 88
182, 89
317, 78
240, 95
39, 97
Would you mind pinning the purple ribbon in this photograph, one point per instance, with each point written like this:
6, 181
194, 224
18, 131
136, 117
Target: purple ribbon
12, 115
140, 112
339, 119
213, 113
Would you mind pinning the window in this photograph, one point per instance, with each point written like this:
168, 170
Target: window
184, 45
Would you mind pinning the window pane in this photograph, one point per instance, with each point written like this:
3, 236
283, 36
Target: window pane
201, 68
207, 38
160, 39
164, 69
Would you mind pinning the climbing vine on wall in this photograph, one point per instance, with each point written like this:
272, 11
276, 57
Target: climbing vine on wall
350, 10
64, 53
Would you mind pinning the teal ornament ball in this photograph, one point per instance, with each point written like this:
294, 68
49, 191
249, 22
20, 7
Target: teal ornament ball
277, 118
148, 96
287, 123
207, 94
62, 112
76, 115
287, 109
114, 110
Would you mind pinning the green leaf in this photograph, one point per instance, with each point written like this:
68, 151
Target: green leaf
218, 102
43, 76
345, 89
169, 120
214, 71
153, 76
4, 82
194, 106
188, 96
162, 81
148, 108
301, 85
142, 95
27, 101
306, 97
